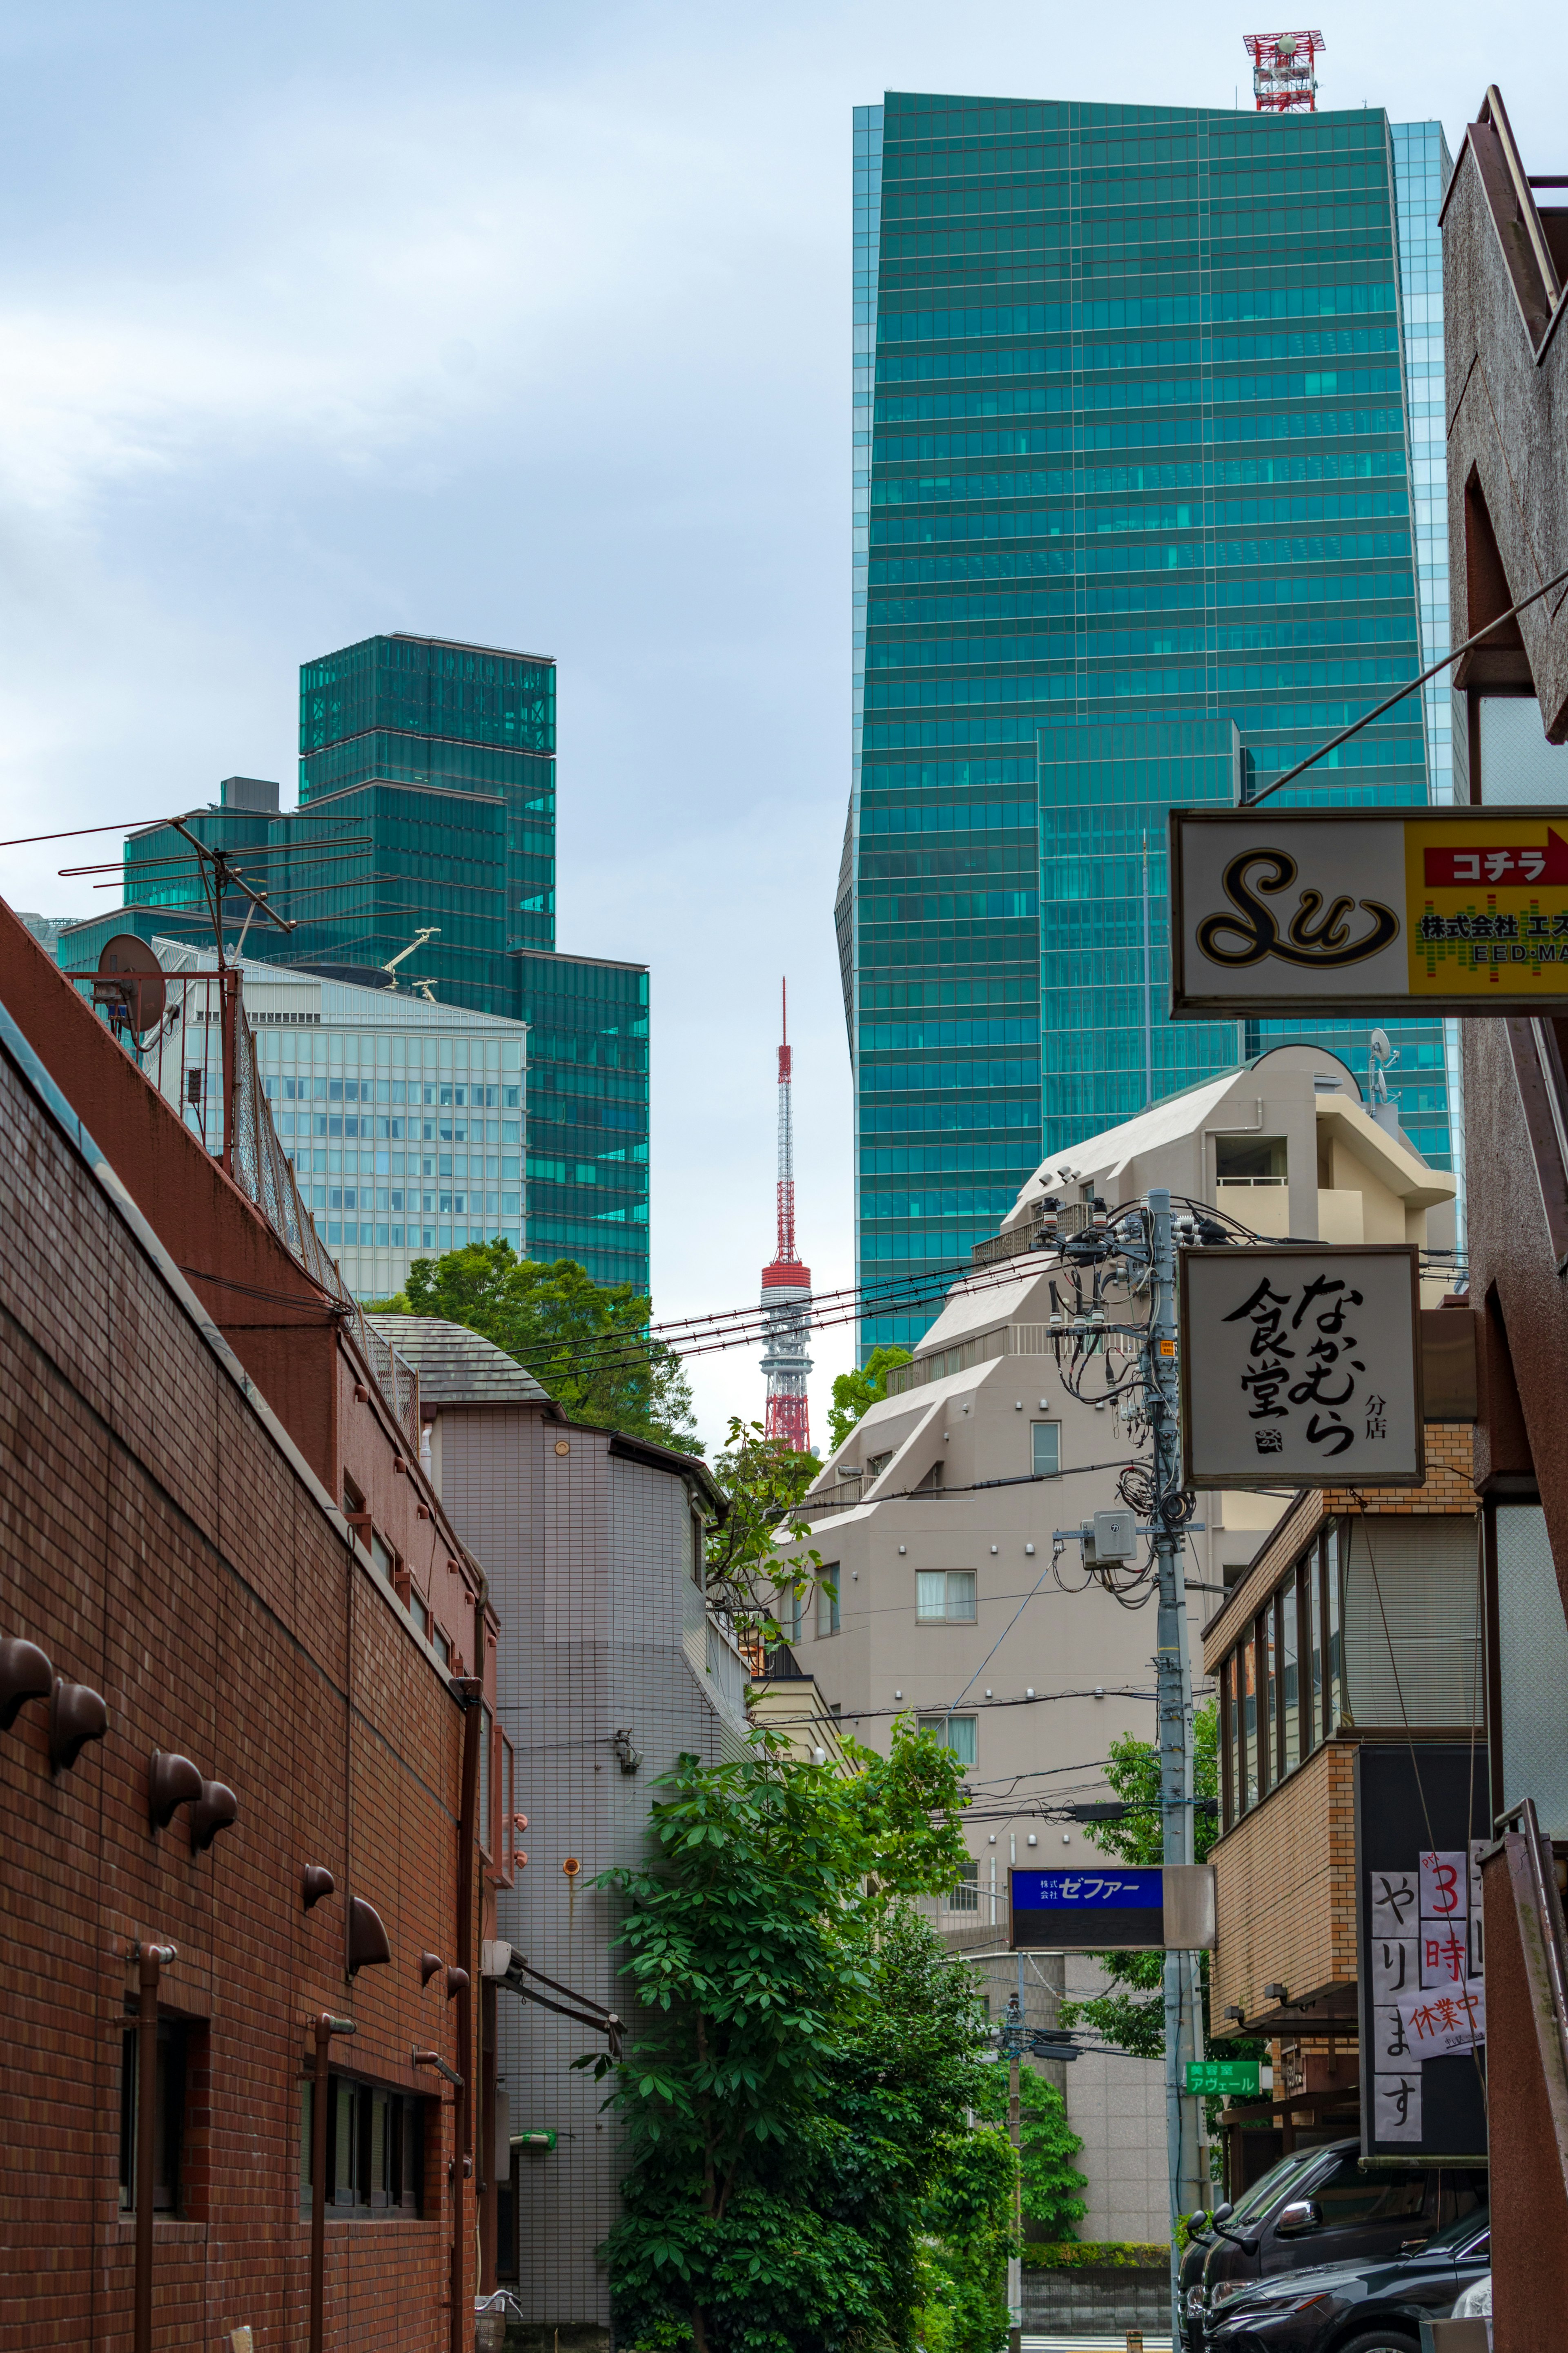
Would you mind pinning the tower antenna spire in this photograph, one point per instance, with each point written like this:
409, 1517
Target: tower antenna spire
786, 1283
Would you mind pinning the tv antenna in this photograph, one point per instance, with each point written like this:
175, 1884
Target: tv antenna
421, 988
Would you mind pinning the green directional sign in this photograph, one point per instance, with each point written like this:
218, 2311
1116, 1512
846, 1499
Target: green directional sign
1239, 2077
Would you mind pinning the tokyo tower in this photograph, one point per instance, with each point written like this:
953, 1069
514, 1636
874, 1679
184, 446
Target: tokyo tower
787, 1289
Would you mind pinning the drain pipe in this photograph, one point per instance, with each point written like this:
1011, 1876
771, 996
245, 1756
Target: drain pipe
152, 1959
326, 2026
468, 1691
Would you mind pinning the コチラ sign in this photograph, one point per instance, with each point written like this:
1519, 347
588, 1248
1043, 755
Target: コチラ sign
1285, 912
1300, 1366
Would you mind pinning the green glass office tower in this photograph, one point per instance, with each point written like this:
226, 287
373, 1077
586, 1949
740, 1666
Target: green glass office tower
427, 800
1134, 524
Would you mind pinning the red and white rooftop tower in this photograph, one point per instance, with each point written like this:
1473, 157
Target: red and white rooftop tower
786, 1288
1285, 71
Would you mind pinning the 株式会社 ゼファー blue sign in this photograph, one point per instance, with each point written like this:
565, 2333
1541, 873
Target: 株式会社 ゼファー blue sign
1106, 1907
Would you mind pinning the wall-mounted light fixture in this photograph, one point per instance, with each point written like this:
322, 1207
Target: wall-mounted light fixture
77, 1715
25, 1673
173, 1781
368, 1945
216, 1810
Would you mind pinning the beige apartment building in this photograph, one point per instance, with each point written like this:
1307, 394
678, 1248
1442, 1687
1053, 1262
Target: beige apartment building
950, 1587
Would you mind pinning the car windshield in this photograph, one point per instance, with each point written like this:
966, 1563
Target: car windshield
1286, 2173
1471, 2231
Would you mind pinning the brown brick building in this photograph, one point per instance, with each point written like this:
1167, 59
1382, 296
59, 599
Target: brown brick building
221, 1562
1358, 1623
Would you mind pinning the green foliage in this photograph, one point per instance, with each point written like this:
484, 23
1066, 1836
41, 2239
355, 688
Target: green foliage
762, 1480
1132, 2014
855, 1392
1050, 2182
791, 2110
971, 2219
1098, 2254
586, 1342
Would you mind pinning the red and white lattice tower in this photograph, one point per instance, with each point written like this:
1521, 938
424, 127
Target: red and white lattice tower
1284, 71
786, 1291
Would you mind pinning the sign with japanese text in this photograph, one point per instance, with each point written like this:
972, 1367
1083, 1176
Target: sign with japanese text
1241, 2078
1422, 1988
1373, 912
1110, 1908
1301, 1365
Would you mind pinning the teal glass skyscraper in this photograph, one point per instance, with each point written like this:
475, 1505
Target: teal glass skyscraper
426, 803
1133, 527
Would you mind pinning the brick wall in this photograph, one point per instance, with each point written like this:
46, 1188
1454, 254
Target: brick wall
1285, 1892
162, 1543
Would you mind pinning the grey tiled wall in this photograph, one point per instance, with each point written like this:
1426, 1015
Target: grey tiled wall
602, 1629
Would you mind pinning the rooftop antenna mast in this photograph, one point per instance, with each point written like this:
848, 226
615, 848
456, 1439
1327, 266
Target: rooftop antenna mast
786, 1286
1284, 71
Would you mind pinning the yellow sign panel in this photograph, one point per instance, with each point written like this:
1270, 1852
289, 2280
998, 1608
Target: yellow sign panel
1488, 904
1368, 910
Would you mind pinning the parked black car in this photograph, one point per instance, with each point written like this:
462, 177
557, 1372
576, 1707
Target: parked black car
1317, 2207
1368, 2307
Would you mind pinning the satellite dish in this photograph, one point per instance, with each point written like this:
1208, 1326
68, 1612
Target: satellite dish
131, 983
1382, 1051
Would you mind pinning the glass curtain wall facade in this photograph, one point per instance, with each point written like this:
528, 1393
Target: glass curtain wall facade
589, 1113
1132, 454
428, 799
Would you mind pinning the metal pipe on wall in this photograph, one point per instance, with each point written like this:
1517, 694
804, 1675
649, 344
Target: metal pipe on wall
153, 1960
469, 1691
326, 2026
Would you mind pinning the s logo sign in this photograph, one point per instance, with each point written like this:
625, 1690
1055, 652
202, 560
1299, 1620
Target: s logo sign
1308, 939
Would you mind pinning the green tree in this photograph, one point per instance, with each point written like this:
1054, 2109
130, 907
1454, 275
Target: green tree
784, 2119
1132, 2014
1049, 2180
855, 1392
971, 2219
586, 1342
762, 1480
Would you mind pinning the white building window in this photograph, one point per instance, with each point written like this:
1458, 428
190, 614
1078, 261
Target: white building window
964, 1894
828, 1600
1047, 1449
946, 1595
954, 1732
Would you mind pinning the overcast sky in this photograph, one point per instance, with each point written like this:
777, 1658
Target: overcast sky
528, 325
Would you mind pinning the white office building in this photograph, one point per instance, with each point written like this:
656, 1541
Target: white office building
403, 1119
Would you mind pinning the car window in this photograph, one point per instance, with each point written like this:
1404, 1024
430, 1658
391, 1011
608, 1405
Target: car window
1470, 2235
1291, 2173
1353, 2199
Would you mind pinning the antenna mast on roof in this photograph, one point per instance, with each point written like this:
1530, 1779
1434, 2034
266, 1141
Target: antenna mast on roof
786, 1286
1284, 71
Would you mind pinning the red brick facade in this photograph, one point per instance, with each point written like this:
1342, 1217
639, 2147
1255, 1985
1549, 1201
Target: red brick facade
169, 1541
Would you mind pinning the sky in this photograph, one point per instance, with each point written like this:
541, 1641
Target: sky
530, 326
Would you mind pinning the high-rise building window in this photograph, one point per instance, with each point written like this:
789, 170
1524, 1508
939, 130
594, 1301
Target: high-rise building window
1047, 1455
827, 1598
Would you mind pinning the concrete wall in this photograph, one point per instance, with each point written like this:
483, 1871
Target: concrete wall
603, 1629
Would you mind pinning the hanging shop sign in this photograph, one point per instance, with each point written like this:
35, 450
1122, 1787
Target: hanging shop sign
1235, 2079
1111, 1907
1300, 1366
1421, 1812
1368, 912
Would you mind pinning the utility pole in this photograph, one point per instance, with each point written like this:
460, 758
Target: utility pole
1175, 1714
1013, 2035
